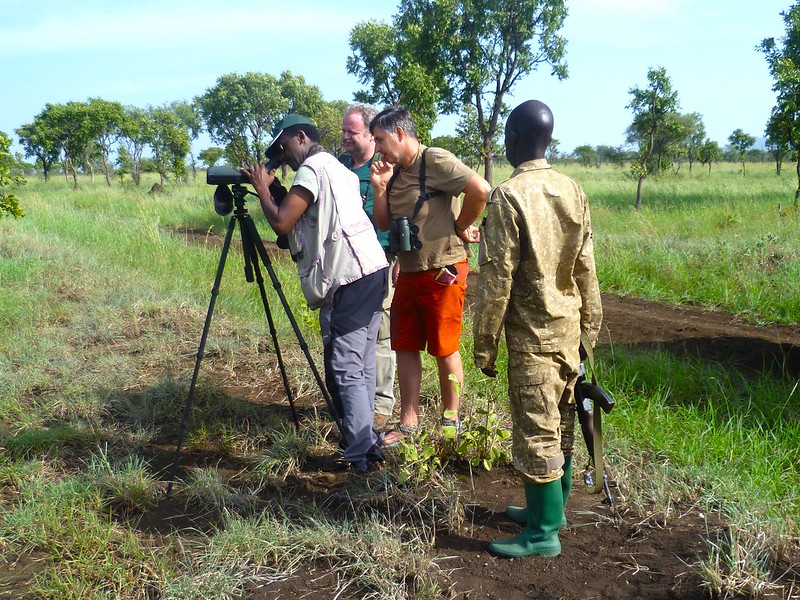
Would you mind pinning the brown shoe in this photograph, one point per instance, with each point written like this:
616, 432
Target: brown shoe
379, 422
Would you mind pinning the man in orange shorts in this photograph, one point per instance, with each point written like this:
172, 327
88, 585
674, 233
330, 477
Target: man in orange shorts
416, 199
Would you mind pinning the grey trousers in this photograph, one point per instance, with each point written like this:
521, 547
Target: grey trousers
349, 325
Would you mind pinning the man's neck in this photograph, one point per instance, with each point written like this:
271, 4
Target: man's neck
412, 147
360, 159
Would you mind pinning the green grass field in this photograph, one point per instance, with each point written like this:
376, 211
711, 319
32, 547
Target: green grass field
103, 294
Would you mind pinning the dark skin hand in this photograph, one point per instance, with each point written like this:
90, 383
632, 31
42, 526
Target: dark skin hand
281, 218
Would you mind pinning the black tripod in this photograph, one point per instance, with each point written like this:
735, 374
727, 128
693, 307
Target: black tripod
253, 249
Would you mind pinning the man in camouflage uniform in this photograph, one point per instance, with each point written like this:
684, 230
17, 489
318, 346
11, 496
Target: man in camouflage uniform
538, 281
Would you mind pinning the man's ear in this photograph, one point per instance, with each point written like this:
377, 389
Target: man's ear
400, 133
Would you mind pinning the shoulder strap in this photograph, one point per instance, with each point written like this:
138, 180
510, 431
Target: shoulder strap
587, 347
423, 195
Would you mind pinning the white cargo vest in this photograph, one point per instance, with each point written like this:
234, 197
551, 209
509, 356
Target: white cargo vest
333, 241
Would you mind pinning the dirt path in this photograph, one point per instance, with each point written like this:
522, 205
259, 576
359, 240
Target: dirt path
712, 335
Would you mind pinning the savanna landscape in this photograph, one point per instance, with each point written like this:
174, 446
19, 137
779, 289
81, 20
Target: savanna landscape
104, 292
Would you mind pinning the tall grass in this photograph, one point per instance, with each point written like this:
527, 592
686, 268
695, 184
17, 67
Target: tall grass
103, 294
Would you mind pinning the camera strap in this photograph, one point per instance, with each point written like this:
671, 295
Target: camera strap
424, 196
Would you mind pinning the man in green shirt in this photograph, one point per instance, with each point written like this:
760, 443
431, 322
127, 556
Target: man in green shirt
360, 147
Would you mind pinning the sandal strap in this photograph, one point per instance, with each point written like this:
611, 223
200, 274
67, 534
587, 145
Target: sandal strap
456, 423
406, 429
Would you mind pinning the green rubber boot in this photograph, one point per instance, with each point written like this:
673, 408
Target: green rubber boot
520, 513
540, 536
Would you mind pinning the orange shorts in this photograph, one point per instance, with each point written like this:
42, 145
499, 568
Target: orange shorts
428, 313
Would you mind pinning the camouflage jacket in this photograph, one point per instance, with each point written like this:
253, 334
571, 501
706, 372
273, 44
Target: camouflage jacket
537, 272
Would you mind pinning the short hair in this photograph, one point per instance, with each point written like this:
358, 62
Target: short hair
367, 112
393, 117
311, 132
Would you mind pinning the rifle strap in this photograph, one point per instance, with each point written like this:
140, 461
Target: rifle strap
587, 348
597, 422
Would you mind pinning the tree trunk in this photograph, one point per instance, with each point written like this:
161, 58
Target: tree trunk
638, 204
488, 167
797, 192
105, 168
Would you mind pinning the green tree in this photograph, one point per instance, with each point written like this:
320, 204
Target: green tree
454, 144
612, 155
740, 143
303, 98
709, 152
9, 180
329, 123
106, 121
192, 122
480, 49
695, 136
75, 133
468, 129
136, 130
211, 156
169, 141
777, 141
783, 58
240, 112
586, 155
652, 108
123, 163
39, 142
382, 60
552, 155
469, 52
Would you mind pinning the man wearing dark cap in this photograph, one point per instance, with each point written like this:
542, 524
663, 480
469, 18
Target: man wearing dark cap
342, 271
538, 282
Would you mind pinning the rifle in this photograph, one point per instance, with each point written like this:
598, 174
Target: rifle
588, 397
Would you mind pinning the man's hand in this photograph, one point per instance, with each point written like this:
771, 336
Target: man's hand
471, 235
379, 174
260, 178
489, 371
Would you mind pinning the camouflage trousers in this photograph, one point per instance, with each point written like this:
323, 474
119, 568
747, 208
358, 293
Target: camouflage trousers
541, 391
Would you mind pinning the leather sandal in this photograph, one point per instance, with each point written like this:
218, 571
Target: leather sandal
455, 423
399, 433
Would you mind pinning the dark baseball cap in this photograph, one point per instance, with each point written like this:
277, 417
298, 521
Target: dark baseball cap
286, 122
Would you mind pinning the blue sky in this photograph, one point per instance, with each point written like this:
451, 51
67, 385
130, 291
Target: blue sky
149, 53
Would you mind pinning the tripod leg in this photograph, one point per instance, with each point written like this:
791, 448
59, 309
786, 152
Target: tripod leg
200, 353
252, 264
262, 251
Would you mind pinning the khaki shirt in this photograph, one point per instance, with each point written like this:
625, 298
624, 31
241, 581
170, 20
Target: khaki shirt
537, 272
436, 218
